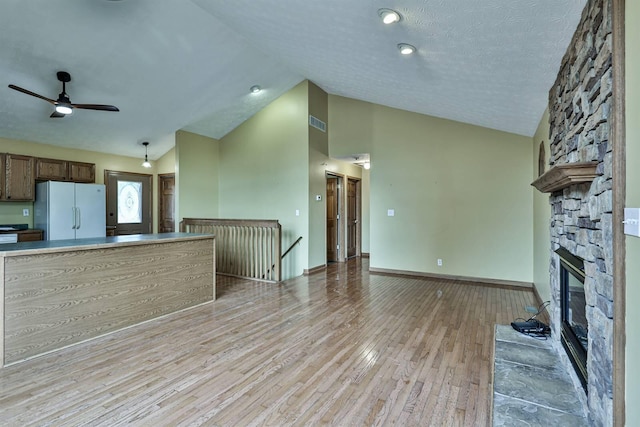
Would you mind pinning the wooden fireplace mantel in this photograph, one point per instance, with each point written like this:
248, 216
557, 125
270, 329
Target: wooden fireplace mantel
562, 176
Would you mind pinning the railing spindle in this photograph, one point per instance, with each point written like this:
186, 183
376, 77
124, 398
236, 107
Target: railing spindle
245, 248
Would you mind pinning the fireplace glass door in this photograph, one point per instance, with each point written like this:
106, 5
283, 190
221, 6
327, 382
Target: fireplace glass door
575, 310
573, 307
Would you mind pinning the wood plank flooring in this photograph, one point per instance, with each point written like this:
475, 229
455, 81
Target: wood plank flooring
340, 347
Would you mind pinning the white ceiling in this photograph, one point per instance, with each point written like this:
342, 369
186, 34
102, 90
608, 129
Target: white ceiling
189, 64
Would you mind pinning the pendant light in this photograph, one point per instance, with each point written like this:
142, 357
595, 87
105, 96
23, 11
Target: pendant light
146, 163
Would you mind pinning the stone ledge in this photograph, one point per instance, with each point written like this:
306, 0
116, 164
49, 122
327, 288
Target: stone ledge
562, 176
530, 386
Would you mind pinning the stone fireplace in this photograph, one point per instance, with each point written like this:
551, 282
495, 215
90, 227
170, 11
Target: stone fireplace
580, 185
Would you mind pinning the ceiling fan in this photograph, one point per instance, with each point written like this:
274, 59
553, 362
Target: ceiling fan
63, 104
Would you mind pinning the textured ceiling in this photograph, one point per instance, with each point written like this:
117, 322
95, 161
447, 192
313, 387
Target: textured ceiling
188, 64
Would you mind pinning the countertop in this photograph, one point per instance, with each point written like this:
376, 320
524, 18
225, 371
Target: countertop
49, 246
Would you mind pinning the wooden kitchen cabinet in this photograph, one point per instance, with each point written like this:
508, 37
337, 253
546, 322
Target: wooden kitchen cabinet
82, 172
51, 170
64, 170
19, 178
2, 176
32, 235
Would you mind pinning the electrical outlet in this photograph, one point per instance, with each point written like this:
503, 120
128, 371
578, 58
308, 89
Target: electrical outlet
297, 212
25, 212
439, 262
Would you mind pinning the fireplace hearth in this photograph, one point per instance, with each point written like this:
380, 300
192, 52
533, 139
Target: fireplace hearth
574, 327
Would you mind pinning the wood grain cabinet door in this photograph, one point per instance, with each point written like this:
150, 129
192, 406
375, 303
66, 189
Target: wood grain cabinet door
2, 175
19, 178
51, 169
82, 172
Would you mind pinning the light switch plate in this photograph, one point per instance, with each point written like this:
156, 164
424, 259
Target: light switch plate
391, 212
632, 221
25, 212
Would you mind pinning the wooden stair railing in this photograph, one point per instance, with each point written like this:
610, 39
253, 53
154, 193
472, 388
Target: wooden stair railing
244, 247
284, 254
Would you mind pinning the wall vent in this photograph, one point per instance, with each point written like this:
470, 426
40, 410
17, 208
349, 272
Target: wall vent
317, 123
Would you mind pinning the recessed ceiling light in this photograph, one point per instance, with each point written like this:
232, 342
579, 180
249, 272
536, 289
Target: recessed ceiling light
255, 89
406, 49
389, 16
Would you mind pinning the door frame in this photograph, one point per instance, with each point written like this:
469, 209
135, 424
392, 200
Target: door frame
340, 187
161, 176
116, 174
358, 182
342, 224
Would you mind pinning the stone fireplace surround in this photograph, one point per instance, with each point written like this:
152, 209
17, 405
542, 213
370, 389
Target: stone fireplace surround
580, 102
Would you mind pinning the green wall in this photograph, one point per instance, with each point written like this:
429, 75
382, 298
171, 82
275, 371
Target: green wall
264, 172
366, 202
632, 369
196, 166
460, 192
275, 164
352, 126
541, 215
318, 152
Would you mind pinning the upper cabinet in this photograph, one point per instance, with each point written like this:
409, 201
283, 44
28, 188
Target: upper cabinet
63, 170
82, 172
19, 184
18, 175
51, 170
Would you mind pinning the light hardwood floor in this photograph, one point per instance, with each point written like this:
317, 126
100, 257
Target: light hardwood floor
340, 347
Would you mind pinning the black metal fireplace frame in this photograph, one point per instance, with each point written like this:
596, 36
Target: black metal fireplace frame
571, 264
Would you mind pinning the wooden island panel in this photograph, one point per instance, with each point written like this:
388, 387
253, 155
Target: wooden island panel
55, 299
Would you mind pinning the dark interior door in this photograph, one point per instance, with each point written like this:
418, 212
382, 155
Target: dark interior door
352, 218
129, 202
166, 218
332, 219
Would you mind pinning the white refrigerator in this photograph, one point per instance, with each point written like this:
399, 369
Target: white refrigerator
66, 210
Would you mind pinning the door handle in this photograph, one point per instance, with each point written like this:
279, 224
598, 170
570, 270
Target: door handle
73, 218
79, 222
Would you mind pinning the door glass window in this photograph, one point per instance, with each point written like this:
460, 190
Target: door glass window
129, 202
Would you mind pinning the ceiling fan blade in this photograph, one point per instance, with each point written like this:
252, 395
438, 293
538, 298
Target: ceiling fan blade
28, 92
56, 115
95, 107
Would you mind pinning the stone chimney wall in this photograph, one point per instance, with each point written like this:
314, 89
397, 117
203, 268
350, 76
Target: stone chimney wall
581, 217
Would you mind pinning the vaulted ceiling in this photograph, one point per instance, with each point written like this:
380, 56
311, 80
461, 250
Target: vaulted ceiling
189, 64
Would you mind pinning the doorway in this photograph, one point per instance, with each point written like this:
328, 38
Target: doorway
343, 204
166, 203
353, 217
333, 218
129, 198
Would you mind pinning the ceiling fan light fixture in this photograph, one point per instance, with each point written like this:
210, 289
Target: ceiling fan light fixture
389, 16
406, 49
63, 109
146, 162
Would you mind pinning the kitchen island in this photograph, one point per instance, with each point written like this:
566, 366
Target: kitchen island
62, 292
